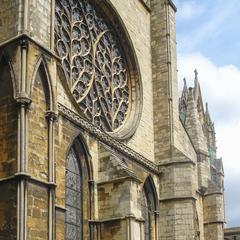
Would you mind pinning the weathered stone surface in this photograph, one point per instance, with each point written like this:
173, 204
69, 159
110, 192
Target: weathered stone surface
38, 129
8, 123
8, 217
186, 198
37, 212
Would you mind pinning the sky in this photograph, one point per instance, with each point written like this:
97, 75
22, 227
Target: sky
208, 39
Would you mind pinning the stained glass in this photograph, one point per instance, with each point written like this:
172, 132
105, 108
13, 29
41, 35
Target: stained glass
93, 62
146, 215
73, 199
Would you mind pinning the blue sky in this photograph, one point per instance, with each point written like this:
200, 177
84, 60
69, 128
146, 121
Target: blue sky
208, 37
211, 27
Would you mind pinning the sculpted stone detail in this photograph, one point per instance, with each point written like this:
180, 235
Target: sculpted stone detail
108, 140
93, 62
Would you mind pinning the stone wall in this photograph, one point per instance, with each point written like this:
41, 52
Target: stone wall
213, 207
10, 19
38, 129
8, 123
37, 212
232, 233
113, 176
8, 205
136, 19
40, 21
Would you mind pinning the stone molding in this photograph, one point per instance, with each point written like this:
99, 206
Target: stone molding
178, 198
122, 179
120, 218
25, 176
213, 193
170, 2
108, 140
214, 222
24, 39
146, 5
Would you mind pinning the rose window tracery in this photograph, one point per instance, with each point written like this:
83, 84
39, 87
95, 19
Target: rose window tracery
93, 63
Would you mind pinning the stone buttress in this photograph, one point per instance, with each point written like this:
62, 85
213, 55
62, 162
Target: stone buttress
92, 142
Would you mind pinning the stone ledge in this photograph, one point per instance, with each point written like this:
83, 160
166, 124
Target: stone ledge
213, 193
214, 222
176, 163
147, 6
120, 218
177, 198
170, 2
23, 175
18, 38
108, 140
121, 179
60, 208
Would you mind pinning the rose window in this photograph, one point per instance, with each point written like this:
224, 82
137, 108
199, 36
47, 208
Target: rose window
93, 62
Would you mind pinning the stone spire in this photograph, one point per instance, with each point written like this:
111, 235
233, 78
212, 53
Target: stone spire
196, 85
193, 124
207, 115
183, 101
210, 130
185, 88
198, 97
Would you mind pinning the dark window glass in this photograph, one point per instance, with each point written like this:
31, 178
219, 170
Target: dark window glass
146, 215
94, 63
73, 199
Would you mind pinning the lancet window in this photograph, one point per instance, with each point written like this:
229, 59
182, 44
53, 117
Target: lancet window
146, 214
73, 198
148, 203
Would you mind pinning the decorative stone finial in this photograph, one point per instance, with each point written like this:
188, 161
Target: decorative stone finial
184, 81
196, 74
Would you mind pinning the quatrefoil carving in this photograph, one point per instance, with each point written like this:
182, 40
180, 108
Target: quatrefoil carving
93, 63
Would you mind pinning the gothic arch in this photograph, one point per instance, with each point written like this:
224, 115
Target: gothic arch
5, 59
41, 95
79, 138
149, 205
8, 117
78, 190
42, 68
149, 185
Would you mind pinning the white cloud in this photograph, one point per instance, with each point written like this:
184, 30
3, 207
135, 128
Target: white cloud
220, 87
188, 10
213, 17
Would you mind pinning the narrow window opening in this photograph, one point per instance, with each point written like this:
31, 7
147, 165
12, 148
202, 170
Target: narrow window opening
73, 192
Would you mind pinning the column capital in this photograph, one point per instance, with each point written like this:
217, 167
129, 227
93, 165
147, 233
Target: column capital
22, 175
51, 115
23, 99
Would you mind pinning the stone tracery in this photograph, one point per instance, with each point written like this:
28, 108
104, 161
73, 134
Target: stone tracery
93, 63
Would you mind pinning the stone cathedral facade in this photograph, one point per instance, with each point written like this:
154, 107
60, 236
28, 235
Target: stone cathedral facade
94, 140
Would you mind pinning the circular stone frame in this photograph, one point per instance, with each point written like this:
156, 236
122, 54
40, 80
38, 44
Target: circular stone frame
133, 118
130, 124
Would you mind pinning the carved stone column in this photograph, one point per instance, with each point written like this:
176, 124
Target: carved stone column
51, 117
23, 103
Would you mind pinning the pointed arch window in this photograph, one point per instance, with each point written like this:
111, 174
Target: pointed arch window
73, 225
149, 207
146, 214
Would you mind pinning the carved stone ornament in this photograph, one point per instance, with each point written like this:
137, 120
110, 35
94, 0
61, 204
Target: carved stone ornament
93, 62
